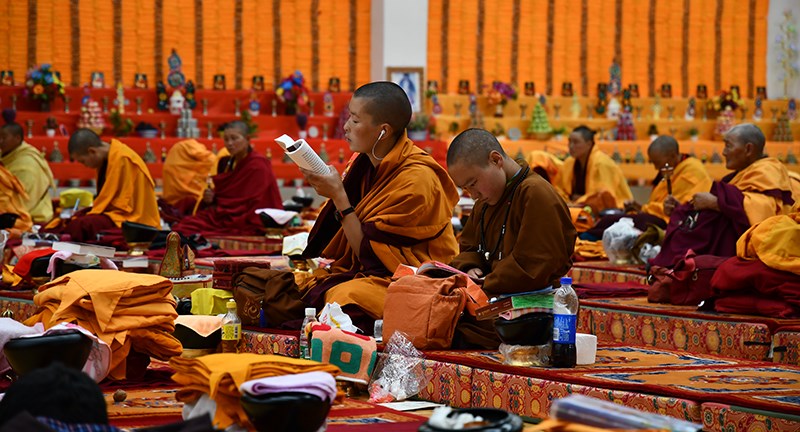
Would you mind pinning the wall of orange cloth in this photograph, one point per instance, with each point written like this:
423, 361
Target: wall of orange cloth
548, 42
338, 153
569, 113
239, 39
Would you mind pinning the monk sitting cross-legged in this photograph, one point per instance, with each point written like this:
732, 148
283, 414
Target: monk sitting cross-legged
711, 222
125, 189
519, 236
393, 206
243, 184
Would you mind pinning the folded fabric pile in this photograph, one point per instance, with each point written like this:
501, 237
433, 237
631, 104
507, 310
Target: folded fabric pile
320, 384
127, 311
221, 375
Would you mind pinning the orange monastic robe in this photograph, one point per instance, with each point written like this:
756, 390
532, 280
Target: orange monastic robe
544, 162
128, 193
12, 198
760, 183
602, 175
406, 215
186, 169
689, 178
775, 241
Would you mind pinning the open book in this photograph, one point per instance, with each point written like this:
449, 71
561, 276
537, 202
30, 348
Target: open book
434, 269
85, 249
302, 154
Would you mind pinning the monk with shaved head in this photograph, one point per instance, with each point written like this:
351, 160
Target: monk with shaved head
712, 221
519, 236
393, 206
31, 169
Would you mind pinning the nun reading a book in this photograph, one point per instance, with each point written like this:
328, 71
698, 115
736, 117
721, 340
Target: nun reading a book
391, 206
243, 184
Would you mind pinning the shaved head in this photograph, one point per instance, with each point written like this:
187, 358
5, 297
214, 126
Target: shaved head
82, 140
472, 147
748, 133
14, 129
664, 145
240, 127
386, 102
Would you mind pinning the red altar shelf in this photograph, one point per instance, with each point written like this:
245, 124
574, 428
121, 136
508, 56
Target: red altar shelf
64, 171
220, 102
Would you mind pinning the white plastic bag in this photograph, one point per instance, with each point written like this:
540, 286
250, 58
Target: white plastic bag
618, 240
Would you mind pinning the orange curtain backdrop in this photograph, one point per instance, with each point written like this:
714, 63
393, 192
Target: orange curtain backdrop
97, 39
14, 27
363, 45
177, 20
601, 26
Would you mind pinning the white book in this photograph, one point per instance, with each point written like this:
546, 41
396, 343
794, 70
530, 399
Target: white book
85, 249
302, 154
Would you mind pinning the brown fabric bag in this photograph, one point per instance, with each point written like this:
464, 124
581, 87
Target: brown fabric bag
426, 309
688, 283
273, 290
660, 279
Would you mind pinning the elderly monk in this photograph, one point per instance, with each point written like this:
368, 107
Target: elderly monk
711, 222
589, 176
125, 189
392, 206
520, 235
12, 198
185, 175
30, 168
244, 183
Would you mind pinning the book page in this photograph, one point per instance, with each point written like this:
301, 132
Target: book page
302, 154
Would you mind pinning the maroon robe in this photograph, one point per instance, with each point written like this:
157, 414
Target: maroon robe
238, 193
750, 287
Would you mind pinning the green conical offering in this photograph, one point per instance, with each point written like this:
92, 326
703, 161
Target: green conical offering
539, 125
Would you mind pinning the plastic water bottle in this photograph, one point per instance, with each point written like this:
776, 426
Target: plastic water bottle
565, 319
231, 329
311, 317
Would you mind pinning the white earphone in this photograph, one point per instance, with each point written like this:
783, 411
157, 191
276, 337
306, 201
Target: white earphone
383, 132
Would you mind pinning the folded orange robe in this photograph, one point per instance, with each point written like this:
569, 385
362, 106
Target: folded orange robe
766, 187
221, 375
125, 310
186, 169
602, 175
12, 198
128, 193
405, 215
688, 178
775, 241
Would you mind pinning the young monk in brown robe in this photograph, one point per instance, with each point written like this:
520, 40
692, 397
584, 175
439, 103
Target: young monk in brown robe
393, 206
519, 236
125, 188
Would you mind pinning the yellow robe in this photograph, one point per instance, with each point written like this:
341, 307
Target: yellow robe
411, 197
689, 178
12, 197
602, 175
775, 241
30, 168
546, 161
129, 191
186, 169
766, 174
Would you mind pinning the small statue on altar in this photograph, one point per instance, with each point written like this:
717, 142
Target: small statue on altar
140, 81
7, 78
191, 100
758, 111
120, 100
463, 87
792, 111
334, 85
98, 79
702, 91
327, 104
656, 107
691, 109
602, 99
666, 90
625, 129
761, 91
530, 88
575, 109
634, 88
473, 105
566, 89
614, 108
258, 83
615, 78
432, 89
255, 106
161, 96
219, 82
176, 102
56, 155
175, 77
626, 100
437, 107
